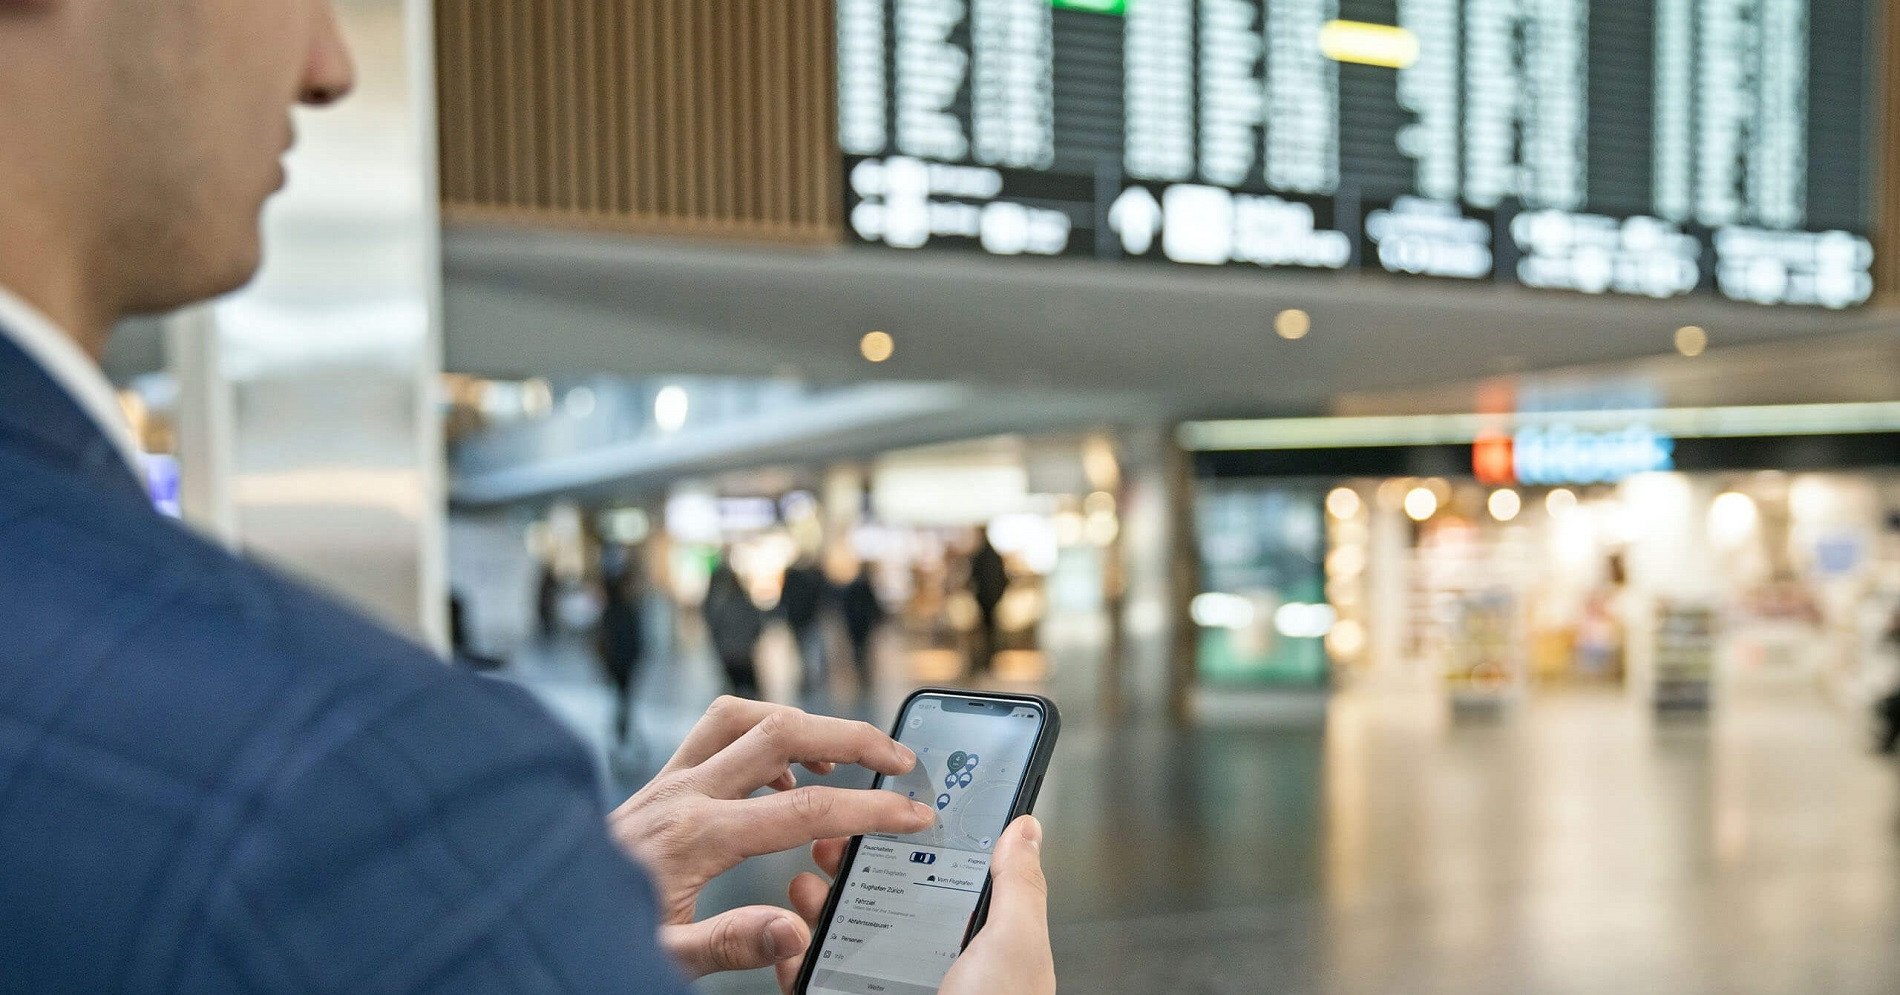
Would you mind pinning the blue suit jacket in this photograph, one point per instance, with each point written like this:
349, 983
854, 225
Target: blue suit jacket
213, 779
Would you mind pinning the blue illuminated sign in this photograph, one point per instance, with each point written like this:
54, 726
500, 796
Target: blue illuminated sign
1564, 454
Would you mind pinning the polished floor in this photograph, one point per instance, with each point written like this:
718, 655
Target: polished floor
1577, 844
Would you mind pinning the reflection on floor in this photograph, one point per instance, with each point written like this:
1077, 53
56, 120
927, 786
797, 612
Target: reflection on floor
1576, 845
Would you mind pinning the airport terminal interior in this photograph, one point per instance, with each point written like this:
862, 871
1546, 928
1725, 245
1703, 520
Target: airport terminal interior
1442, 456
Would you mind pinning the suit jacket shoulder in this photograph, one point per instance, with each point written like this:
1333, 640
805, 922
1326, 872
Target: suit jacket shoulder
214, 778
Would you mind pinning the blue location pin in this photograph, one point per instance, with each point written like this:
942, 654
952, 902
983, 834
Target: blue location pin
942, 800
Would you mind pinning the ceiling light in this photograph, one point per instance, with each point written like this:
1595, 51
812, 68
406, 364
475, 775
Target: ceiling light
1421, 504
1505, 504
1343, 502
1691, 340
1292, 324
1733, 517
580, 402
1347, 639
877, 346
537, 398
669, 408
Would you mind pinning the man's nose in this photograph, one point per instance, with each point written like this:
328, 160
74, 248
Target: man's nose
330, 73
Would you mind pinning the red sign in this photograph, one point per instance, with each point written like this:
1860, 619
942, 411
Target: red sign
1493, 456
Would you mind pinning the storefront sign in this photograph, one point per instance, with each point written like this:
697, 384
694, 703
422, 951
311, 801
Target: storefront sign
1569, 432
1563, 454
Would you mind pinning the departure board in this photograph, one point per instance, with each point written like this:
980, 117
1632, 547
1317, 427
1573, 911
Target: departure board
1652, 148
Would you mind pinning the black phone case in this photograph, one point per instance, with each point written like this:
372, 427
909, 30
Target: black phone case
1024, 804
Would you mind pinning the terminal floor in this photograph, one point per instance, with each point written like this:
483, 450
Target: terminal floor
1577, 844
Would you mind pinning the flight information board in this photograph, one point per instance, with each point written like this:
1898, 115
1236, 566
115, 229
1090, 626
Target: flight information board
1641, 147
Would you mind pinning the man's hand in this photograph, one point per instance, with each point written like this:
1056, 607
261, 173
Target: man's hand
696, 820
1009, 954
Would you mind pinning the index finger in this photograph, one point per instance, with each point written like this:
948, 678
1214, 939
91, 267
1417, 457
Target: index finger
775, 823
727, 718
792, 736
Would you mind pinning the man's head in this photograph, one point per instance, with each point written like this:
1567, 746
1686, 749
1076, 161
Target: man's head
155, 130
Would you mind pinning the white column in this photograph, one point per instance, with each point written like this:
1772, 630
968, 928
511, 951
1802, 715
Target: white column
308, 427
1151, 552
203, 424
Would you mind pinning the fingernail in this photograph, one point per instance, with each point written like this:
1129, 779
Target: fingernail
906, 755
1032, 831
784, 938
924, 811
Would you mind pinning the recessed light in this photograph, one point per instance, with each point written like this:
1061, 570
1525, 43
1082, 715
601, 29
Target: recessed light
877, 346
1292, 324
1505, 504
670, 407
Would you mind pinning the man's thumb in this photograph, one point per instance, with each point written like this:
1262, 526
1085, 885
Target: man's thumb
755, 936
1019, 894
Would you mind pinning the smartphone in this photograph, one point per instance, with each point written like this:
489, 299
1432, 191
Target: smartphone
903, 907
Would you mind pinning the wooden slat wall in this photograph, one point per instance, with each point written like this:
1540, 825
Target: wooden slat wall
678, 117
1887, 199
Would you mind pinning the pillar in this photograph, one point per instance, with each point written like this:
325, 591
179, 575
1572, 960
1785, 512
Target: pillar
308, 425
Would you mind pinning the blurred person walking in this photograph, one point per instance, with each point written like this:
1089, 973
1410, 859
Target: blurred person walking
547, 603
623, 632
1888, 708
461, 641
802, 601
989, 581
1889, 713
734, 624
213, 778
863, 612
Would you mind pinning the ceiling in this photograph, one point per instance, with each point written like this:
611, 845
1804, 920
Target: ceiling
1150, 339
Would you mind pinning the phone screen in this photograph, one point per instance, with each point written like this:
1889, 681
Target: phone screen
907, 900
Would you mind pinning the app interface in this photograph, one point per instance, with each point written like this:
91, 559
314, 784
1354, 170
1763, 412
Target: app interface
908, 899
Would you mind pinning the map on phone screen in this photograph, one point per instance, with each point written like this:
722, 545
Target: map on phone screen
908, 899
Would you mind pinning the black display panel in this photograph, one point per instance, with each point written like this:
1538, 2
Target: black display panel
1642, 147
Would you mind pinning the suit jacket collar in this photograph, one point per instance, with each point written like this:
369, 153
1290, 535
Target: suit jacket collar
37, 414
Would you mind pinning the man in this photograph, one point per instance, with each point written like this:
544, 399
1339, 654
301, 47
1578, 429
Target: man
1888, 708
212, 779
863, 613
734, 625
989, 582
802, 600
623, 631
